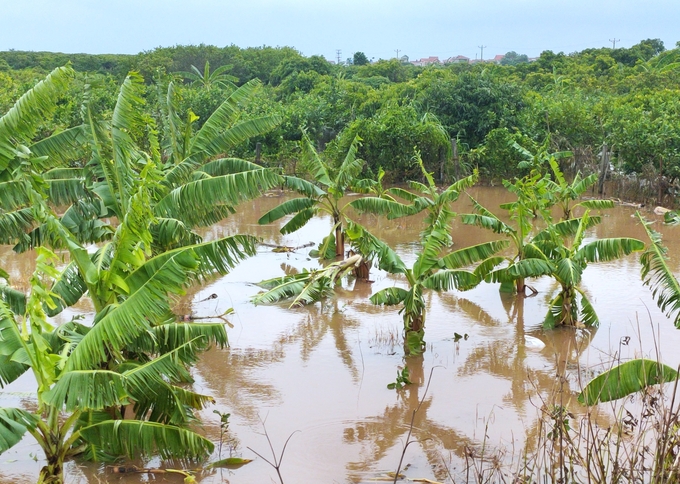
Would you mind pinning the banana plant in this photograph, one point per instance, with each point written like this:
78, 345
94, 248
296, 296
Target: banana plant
51, 157
568, 195
635, 375
435, 269
658, 276
335, 182
81, 400
117, 380
423, 196
208, 79
307, 286
532, 201
556, 253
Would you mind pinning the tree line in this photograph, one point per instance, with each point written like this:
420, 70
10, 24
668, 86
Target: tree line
459, 116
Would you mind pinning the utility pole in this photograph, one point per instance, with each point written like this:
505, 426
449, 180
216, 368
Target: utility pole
397, 51
338, 52
614, 41
482, 55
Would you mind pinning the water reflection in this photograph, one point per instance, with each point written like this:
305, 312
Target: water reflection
323, 369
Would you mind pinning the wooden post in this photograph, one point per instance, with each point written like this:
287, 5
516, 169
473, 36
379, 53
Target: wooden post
456, 161
258, 152
603, 168
660, 195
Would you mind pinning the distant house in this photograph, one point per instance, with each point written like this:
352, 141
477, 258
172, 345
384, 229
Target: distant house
426, 61
498, 59
459, 59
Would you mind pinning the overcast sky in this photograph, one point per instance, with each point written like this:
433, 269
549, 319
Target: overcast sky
417, 28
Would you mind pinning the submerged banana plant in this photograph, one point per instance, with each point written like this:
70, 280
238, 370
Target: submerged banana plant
307, 286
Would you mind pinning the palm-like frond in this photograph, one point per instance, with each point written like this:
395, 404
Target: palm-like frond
401, 193
69, 287
597, 204
372, 248
281, 288
239, 133
14, 423
603, 250
87, 390
14, 225
303, 187
625, 379
13, 195
214, 257
120, 324
298, 221
169, 233
567, 228
588, 314
486, 222
221, 119
133, 438
469, 255
61, 148
568, 271
23, 119
350, 167
313, 162
658, 276
286, 208
448, 279
15, 300
390, 296
228, 166
382, 206
185, 201
10, 343
66, 191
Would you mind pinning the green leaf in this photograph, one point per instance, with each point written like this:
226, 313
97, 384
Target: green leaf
228, 166
381, 206
390, 296
190, 201
134, 438
448, 279
658, 276
626, 379
23, 119
568, 271
14, 423
469, 255
286, 208
10, 343
603, 250
229, 463
298, 221
303, 187
87, 390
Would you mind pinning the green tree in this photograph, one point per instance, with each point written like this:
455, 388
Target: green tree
359, 59
207, 79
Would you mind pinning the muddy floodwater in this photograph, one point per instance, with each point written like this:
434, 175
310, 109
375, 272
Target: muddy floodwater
319, 374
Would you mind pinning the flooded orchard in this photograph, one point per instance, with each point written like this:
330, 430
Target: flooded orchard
318, 374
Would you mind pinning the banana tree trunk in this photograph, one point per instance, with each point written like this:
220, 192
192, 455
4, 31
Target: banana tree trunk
568, 316
53, 471
339, 242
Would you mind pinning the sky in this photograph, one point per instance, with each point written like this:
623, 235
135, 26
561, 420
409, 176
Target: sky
378, 28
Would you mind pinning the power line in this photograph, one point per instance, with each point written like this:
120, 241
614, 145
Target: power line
481, 57
614, 41
338, 52
397, 51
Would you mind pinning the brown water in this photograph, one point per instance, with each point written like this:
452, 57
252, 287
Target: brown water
319, 373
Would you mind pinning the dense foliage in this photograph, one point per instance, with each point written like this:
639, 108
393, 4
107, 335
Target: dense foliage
626, 98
